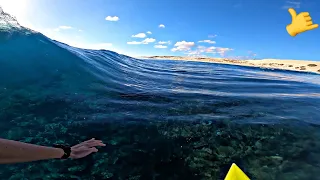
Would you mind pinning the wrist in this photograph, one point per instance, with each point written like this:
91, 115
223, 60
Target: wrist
290, 30
58, 153
65, 151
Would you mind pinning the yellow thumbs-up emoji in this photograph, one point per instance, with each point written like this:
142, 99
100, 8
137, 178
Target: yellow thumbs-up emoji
300, 23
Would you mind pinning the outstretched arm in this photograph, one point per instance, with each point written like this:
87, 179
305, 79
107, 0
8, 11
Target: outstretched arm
15, 151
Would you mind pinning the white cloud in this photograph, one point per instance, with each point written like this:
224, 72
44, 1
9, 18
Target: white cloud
164, 42
134, 42
149, 32
292, 4
160, 46
182, 46
207, 41
63, 28
209, 50
162, 26
222, 51
212, 36
148, 40
200, 50
112, 18
80, 30
139, 35
145, 41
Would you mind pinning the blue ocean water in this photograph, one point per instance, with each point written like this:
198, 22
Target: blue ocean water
119, 87
47, 86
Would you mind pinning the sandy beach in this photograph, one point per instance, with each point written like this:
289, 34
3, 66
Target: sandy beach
293, 65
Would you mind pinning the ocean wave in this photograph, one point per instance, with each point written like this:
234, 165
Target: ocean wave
101, 85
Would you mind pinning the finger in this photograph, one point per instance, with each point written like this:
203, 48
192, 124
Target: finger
101, 144
95, 144
305, 14
86, 142
308, 18
309, 23
90, 140
95, 141
312, 27
93, 149
292, 12
77, 146
82, 144
89, 144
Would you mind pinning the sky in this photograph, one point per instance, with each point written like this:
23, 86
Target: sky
244, 29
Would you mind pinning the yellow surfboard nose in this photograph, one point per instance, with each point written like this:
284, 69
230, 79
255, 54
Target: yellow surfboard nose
235, 173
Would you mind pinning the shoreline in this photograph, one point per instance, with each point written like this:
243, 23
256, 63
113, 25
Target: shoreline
291, 65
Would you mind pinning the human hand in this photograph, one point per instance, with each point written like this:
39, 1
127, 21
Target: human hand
300, 23
85, 148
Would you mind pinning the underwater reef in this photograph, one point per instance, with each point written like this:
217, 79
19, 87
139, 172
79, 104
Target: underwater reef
158, 149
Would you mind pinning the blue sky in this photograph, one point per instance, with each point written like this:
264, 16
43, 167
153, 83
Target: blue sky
217, 28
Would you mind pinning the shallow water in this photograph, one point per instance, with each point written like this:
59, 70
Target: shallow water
161, 119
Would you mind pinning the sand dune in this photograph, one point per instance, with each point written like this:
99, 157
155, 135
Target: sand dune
293, 65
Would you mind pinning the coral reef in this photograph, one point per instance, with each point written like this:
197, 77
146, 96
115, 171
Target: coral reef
163, 150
